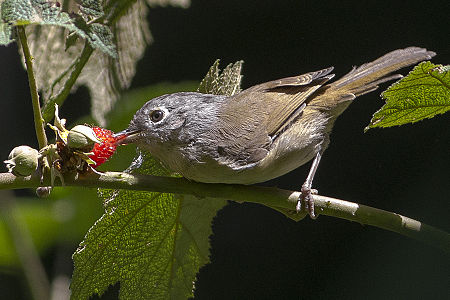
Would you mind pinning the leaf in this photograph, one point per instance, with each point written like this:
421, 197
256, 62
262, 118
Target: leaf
98, 35
152, 243
5, 32
22, 12
210, 81
104, 77
423, 93
42, 12
227, 83
92, 8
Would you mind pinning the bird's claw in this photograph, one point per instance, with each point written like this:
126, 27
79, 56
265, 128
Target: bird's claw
306, 198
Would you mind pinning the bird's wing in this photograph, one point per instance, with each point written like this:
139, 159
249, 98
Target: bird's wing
300, 80
282, 101
249, 121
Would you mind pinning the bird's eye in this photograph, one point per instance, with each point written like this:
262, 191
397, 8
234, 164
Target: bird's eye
156, 115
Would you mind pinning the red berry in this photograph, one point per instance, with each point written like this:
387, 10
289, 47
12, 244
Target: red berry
107, 148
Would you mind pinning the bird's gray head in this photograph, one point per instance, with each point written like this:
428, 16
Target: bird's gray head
172, 119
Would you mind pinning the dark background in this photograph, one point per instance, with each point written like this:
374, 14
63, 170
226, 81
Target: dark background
256, 252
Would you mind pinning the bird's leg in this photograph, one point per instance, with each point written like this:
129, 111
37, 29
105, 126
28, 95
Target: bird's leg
306, 191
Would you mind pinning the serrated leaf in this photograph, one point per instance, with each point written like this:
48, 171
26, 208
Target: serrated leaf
230, 79
5, 33
24, 12
423, 93
105, 78
21, 12
209, 82
92, 8
43, 12
153, 244
99, 36
226, 83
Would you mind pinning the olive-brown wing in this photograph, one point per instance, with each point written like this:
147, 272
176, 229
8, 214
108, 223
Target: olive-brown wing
249, 121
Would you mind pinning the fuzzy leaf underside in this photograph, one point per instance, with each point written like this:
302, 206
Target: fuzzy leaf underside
152, 243
92, 8
42, 12
56, 53
5, 33
423, 93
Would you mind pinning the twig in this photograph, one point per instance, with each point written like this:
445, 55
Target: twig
49, 107
272, 197
39, 123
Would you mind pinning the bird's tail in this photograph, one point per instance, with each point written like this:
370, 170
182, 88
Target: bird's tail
366, 78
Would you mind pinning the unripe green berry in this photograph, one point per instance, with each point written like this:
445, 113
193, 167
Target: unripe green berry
22, 161
82, 137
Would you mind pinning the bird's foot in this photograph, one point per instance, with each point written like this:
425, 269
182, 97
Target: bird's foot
306, 197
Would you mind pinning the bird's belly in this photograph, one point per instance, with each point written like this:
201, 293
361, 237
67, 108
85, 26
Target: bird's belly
213, 172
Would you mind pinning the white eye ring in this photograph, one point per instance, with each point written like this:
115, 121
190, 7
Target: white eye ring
158, 114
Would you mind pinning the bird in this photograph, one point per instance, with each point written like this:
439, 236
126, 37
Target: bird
264, 131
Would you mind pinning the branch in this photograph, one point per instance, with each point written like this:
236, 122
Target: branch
78, 65
273, 197
39, 123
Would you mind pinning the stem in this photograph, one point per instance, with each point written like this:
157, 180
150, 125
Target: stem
283, 200
116, 10
28, 257
49, 106
39, 122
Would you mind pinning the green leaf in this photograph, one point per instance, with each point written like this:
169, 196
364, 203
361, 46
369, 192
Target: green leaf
5, 31
423, 93
208, 83
227, 83
22, 12
92, 8
5, 34
128, 22
152, 243
98, 35
42, 12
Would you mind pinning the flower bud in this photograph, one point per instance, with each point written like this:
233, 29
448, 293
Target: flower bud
22, 161
82, 137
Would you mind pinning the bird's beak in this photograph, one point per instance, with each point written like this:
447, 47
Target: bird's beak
127, 136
